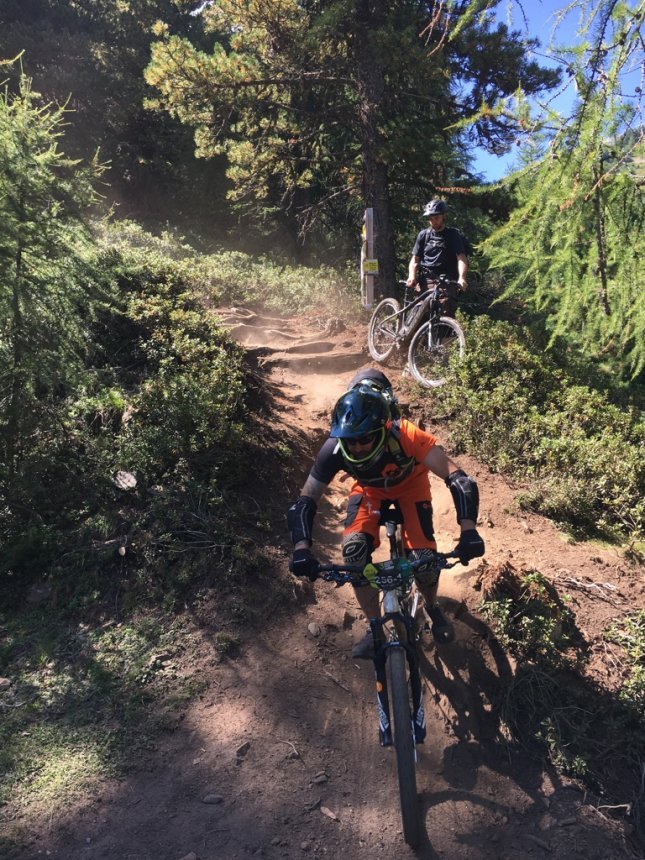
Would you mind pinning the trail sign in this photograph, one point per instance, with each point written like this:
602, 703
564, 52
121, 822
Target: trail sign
369, 262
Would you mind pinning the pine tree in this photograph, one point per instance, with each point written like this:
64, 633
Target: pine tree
46, 283
573, 246
324, 108
91, 55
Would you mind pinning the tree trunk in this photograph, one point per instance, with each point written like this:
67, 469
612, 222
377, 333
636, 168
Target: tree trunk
370, 15
600, 241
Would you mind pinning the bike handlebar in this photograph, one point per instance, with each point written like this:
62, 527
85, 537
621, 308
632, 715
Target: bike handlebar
433, 284
436, 279
389, 574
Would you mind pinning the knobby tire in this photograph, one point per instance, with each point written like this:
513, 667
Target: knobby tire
404, 745
429, 362
382, 334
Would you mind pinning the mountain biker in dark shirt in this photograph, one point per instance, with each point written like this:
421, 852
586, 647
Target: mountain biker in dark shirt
389, 458
439, 250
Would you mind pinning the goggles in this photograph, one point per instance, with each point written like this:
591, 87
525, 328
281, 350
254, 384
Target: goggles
378, 438
362, 440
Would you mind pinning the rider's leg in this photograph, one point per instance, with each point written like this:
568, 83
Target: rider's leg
449, 300
418, 538
357, 549
359, 540
428, 584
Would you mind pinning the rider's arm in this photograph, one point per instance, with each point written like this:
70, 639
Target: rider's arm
313, 488
463, 488
462, 269
412, 270
300, 517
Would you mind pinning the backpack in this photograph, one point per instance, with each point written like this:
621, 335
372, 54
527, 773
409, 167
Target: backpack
378, 381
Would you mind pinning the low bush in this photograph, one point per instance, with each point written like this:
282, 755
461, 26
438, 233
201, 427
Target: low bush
233, 277
127, 502
580, 457
629, 633
163, 398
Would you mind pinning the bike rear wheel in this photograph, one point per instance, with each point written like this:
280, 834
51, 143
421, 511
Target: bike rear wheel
432, 350
383, 329
404, 745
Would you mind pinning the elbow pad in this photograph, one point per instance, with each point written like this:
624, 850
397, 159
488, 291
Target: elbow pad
465, 495
300, 519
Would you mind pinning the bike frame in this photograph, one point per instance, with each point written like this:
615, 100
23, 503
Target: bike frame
426, 301
393, 612
421, 302
394, 628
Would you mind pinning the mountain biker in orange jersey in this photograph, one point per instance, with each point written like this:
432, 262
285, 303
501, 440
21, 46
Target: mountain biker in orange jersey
389, 458
439, 250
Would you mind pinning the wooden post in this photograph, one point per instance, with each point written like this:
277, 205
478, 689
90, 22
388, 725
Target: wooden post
369, 261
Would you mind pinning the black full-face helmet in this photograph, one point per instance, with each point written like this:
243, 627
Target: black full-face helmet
435, 207
361, 412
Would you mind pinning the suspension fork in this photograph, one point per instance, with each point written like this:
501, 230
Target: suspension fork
433, 322
381, 648
418, 711
382, 698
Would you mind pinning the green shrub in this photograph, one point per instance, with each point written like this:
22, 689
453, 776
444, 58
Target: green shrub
551, 703
191, 400
580, 456
532, 624
233, 277
629, 632
163, 396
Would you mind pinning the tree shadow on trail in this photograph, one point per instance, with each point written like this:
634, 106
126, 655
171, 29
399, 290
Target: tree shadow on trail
467, 680
469, 674
534, 717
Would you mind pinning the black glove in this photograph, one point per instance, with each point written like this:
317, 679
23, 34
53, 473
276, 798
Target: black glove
470, 546
304, 563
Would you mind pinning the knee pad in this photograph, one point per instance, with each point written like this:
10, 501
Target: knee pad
357, 548
424, 575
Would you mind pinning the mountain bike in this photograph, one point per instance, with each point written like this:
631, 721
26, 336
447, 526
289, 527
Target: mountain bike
434, 340
396, 632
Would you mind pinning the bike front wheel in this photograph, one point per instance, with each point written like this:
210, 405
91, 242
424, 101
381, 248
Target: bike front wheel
384, 329
432, 349
404, 745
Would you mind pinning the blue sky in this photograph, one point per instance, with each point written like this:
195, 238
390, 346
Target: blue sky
540, 22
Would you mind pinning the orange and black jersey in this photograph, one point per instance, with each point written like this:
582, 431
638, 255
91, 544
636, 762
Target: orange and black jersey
412, 441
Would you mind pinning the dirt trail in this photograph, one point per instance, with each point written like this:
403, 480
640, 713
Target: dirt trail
280, 756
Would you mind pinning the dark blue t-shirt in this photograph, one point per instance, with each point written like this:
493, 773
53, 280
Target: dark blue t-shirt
437, 251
